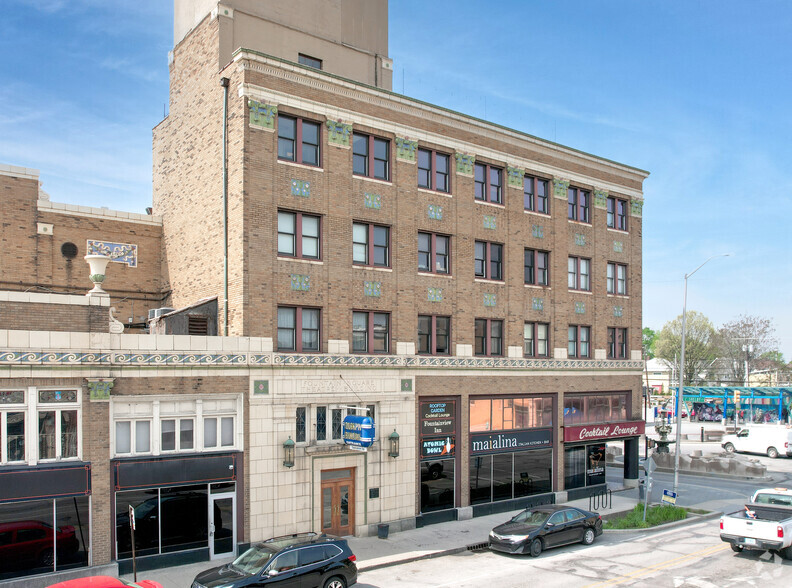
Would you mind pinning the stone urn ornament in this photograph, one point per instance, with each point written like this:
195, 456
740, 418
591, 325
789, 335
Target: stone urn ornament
98, 264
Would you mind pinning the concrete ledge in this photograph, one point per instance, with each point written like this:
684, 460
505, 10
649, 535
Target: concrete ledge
45, 580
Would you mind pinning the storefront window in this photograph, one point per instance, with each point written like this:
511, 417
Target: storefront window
588, 409
505, 414
510, 475
183, 511
437, 485
584, 466
146, 506
34, 534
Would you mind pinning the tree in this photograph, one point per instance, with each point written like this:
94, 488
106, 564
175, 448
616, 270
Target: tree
649, 340
700, 347
735, 336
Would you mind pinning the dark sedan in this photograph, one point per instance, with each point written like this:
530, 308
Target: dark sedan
541, 527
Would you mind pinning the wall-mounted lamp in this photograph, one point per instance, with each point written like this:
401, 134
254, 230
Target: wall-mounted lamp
394, 444
288, 453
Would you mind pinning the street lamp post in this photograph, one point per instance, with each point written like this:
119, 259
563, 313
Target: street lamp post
681, 382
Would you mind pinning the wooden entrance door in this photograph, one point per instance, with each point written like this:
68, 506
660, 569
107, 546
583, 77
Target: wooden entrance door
338, 501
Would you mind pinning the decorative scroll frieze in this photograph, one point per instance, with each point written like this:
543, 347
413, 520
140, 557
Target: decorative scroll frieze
118, 252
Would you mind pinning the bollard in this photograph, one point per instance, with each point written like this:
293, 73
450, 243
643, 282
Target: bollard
641, 490
702, 434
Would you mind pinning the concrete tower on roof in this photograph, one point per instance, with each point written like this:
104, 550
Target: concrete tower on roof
348, 38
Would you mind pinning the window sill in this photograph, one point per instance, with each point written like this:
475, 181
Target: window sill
374, 180
435, 192
586, 292
372, 268
619, 231
301, 260
537, 287
577, 222
489, 281
434, 275
620, 296
539, 214
488, 203
300, 165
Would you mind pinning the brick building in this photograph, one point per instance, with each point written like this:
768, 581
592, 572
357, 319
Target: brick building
471, 288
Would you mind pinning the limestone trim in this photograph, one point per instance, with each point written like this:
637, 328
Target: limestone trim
101, 213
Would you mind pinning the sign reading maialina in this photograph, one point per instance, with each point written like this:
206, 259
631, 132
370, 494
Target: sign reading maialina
506, 441
605, 431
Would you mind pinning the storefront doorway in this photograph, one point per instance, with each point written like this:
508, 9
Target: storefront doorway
222, 525
338, 501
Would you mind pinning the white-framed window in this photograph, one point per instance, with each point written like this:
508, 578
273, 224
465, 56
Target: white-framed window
40, 424
12, 426
324, 423
164, 425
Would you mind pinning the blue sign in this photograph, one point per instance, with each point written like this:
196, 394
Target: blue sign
669, 497
358, 431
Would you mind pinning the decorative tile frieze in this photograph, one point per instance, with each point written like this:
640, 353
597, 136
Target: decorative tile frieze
600, 199
99, 388
618, 311
489, 300
373, 289
261, 387
300, 282
372, 200
464, 163
262, 116
406, 150
580, 239
244, 360
560, 188
618, 246
489, 222
118, 252
435, 212
537, 304
434, 294
514, 176
636, 207
339, 133
301, 188
580, 308
537, 231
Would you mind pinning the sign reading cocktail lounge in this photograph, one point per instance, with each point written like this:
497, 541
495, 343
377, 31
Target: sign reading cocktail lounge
606, 431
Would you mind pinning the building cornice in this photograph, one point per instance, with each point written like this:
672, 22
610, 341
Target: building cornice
402, 105
98, 213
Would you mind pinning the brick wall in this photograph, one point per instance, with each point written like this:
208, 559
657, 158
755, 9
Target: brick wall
23, 316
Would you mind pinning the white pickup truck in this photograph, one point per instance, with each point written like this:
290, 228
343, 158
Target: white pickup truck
765, 524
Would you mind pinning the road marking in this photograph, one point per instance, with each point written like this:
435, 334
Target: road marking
661, 566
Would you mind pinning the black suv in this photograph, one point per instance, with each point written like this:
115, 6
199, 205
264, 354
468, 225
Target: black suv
304, 559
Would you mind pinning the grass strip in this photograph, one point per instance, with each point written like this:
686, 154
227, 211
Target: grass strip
655, 515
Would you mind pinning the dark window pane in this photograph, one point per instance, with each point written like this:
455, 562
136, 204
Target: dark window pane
502, 477
480, 477
299, 432
380, 321
15, 436
146, 505
72, 516
437, 485
424, 168
321, 423
360, 331
183, 518
424, 252
443, 330
424, 334
336, 423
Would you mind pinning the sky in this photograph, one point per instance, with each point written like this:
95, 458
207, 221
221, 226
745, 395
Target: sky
697, 92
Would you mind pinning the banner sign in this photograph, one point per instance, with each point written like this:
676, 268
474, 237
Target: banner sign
358, 431
606, 431
442, 447
506, 441
437, 418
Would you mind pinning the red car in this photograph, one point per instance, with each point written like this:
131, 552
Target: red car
103, 582
30, 542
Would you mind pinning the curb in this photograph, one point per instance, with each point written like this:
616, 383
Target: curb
692, 519
410, 559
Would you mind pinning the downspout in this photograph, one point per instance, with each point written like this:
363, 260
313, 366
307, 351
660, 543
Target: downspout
224, 82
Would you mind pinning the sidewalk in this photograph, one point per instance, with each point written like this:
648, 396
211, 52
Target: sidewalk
426, 542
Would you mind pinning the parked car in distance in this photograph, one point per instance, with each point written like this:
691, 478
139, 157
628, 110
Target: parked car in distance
304, 559
769, 440
31, 542
541, 527
104, 582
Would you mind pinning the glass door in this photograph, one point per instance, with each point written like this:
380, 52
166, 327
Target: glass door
222, 525
338, 502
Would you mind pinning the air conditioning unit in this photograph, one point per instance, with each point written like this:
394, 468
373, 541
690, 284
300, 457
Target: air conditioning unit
158, 312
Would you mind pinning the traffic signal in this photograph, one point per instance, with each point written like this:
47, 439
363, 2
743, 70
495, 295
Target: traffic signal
736, 397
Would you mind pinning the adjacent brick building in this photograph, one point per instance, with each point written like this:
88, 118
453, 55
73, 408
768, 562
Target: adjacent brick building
474, 290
